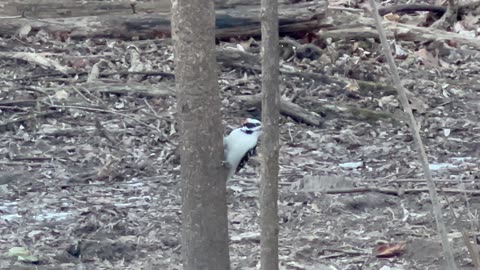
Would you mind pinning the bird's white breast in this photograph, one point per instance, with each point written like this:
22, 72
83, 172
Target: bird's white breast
237, 144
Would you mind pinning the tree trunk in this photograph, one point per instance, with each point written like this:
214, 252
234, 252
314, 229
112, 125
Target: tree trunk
270, 141
204, 207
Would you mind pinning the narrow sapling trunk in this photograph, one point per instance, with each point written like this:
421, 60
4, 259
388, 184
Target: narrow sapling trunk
270, 142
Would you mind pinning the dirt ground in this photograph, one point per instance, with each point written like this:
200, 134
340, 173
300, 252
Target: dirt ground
89, 175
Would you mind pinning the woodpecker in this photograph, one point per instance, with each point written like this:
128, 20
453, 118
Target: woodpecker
240, 145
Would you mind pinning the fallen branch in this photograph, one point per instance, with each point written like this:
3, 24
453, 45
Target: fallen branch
415, 33
353, 112
12, 124
287, 108
168, 75
28, 158
137, 90
35, 58
239, 59
393, 191
25, 164
18, 103
461, 9
412, 8
414, 180
365, 28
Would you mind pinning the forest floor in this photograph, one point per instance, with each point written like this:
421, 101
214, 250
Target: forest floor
90, 175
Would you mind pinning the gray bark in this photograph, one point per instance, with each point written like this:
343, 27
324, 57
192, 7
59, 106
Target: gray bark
270, 142
204, 207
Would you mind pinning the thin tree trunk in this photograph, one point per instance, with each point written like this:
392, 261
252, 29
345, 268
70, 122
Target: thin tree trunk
437, 212
204, 207
270, 141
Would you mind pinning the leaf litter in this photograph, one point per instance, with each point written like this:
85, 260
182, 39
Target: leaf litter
90, 174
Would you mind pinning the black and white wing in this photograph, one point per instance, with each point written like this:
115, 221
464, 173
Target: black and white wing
245, 158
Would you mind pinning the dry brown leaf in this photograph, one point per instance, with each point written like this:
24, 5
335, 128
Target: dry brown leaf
417, 19
389, 250
427, 58
392, 17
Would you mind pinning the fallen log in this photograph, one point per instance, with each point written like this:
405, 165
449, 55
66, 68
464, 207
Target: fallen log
463, 9
137, 90
287, 108
238, 59
72, 8
41, 9
239, 22
365, 28
355, 113
161, 90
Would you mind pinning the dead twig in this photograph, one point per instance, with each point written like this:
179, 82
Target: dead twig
27, 158
414, 180
10, 124
28, 164
287, 108
21, 103
80, 93
105, 74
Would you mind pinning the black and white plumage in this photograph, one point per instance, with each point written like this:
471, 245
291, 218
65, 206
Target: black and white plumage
241, 144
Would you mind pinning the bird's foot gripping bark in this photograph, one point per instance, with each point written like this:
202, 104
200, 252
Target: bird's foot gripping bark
226, 164
226, 168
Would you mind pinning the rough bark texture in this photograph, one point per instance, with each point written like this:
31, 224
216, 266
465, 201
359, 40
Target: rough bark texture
270, 142
204, 207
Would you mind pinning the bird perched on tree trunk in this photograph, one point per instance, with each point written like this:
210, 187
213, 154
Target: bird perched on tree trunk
241, 144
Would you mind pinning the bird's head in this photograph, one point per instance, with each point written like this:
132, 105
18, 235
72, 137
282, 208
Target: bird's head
252, 126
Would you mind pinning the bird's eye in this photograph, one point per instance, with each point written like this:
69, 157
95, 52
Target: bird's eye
249, 125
